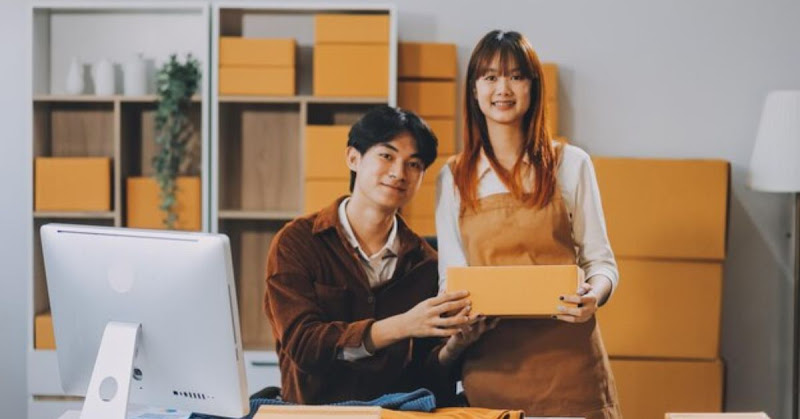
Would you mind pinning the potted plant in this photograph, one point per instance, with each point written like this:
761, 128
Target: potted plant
169, 199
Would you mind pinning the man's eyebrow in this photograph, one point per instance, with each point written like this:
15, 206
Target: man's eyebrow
393, 148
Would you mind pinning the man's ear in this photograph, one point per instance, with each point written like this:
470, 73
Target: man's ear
352, 158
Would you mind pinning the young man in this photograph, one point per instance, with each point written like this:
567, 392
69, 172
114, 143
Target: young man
352, 291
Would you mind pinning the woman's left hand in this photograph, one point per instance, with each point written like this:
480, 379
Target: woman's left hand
585, 305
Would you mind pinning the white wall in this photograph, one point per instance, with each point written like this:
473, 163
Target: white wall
655, 78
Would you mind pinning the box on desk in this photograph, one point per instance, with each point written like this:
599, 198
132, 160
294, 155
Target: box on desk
524, 291
318, 412
72, 184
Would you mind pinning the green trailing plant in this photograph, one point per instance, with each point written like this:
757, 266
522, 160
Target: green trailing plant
176, 83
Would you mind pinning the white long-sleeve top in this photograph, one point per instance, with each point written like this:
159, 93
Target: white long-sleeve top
578, 184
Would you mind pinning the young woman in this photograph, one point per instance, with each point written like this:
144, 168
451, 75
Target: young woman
514, 196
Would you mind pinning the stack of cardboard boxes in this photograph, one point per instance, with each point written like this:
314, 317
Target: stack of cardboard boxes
667, 223
256, 66
351, 59
427, 86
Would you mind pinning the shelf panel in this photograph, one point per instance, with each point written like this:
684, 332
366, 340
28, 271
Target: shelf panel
102, 99
84, 215
302, 99
258, 215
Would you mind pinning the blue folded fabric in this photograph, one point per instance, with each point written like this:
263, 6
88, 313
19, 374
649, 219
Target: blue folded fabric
420, 400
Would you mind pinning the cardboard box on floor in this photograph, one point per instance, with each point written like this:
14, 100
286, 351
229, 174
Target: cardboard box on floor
665, 209
664, 309
524, 291
648, 389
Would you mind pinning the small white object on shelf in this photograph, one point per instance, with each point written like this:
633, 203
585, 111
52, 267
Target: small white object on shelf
135, 77
103, 78
74, 84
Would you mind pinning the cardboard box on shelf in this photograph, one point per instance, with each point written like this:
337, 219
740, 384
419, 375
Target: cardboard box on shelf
551, 96
236, 51
278, 81
351, 70
430, 99
72, 184
426, 60
665, 209
351, 29
664, 309
321, 193
648, 389
445, 130
143, 197
325, 152
519, 291
423, 226
44, 338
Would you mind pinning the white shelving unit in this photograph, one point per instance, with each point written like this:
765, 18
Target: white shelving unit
91, 31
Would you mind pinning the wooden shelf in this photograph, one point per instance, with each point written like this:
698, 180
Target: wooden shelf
101, 99
303, 99
258, 215
83, 215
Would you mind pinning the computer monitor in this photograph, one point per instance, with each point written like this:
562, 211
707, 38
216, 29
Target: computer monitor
145, 315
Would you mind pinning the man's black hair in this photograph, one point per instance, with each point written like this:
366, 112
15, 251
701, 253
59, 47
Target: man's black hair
383, 124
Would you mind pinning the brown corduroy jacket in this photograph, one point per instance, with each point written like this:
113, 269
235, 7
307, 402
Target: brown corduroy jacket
319, 301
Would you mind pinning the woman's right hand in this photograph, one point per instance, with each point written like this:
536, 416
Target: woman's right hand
429, 317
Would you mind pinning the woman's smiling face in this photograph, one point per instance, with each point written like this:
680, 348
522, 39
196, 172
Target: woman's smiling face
503, 96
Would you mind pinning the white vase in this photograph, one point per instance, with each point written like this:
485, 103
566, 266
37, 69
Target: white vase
135, 77
103, 78
74, 82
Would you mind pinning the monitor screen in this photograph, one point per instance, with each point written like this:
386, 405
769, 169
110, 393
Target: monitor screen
176, 288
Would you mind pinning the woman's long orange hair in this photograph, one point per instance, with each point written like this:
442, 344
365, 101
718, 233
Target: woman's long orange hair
513, 48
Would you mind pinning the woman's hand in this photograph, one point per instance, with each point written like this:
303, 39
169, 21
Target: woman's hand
585, 305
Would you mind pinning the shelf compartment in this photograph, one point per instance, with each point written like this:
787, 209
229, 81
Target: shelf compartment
73, 129
250, 241
259, 157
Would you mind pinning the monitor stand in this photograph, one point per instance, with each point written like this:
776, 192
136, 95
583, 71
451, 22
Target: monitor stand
109, 387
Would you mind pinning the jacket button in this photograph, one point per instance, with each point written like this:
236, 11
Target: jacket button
370, 299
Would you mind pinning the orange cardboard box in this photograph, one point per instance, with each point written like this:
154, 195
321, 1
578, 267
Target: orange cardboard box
351, 70
321, 193
423, 204
664, 309
432, 172
325, 152
525, 291
318, 412
44, 338
423, 226
551, 96
235, 51
351, 29
426, 60
72, 184
665, 209
445, 130
649, 389
279, 81
429, 99
144, 200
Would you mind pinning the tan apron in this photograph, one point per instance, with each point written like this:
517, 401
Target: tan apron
545, 367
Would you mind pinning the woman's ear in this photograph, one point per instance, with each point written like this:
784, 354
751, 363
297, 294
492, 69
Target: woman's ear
352, 158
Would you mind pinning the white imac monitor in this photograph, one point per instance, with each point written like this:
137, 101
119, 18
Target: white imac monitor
145, 315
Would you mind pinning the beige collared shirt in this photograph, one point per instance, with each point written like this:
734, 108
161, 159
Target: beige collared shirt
379, 268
